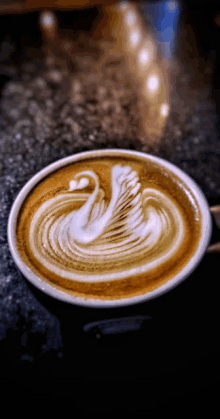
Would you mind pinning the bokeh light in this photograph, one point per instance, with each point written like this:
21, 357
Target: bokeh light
146, 54
130, 18
152, 83
47, 19
164, 109
134, 38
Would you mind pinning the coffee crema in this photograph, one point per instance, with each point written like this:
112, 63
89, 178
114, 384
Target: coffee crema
109, 227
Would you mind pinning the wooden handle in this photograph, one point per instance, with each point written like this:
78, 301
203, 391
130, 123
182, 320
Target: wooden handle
22, 6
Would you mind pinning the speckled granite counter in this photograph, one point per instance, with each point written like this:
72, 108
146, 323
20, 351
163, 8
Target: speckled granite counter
41, 339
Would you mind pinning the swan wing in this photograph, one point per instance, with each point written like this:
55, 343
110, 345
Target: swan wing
127, 214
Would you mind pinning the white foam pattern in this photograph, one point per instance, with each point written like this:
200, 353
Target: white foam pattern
79, 236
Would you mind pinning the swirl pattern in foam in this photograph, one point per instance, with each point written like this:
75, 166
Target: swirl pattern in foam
85, 237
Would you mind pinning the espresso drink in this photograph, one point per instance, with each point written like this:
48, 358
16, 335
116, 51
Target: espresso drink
109, 227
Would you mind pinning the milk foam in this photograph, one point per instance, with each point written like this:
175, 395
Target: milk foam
79, 236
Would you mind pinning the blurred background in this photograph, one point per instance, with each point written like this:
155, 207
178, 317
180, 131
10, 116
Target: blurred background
179, 37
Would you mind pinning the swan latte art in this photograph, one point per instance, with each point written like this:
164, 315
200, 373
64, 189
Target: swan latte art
108, 227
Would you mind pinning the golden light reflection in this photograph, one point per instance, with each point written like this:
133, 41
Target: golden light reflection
145, 67
130, 18
146, 54
48, 23
164, 109
144, 57
152, 84
47, 19
134, 38
123, 5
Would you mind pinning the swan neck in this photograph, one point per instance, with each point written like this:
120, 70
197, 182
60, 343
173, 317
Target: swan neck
84, 211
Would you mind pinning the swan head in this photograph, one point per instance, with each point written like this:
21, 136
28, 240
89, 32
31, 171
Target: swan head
78, 184
81, 180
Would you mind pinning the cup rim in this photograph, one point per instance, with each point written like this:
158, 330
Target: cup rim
98, 303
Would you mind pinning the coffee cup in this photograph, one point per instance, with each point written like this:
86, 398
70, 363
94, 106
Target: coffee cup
109, 228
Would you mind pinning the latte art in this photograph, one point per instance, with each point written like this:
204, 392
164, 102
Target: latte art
108, 227
134, 226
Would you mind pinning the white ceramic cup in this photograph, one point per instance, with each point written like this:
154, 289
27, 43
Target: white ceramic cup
89, 302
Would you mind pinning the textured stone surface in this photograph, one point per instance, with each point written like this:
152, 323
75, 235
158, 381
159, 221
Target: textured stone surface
40, 123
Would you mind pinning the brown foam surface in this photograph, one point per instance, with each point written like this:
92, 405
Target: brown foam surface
151, 175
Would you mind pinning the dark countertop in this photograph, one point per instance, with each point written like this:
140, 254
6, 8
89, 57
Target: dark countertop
44, 351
